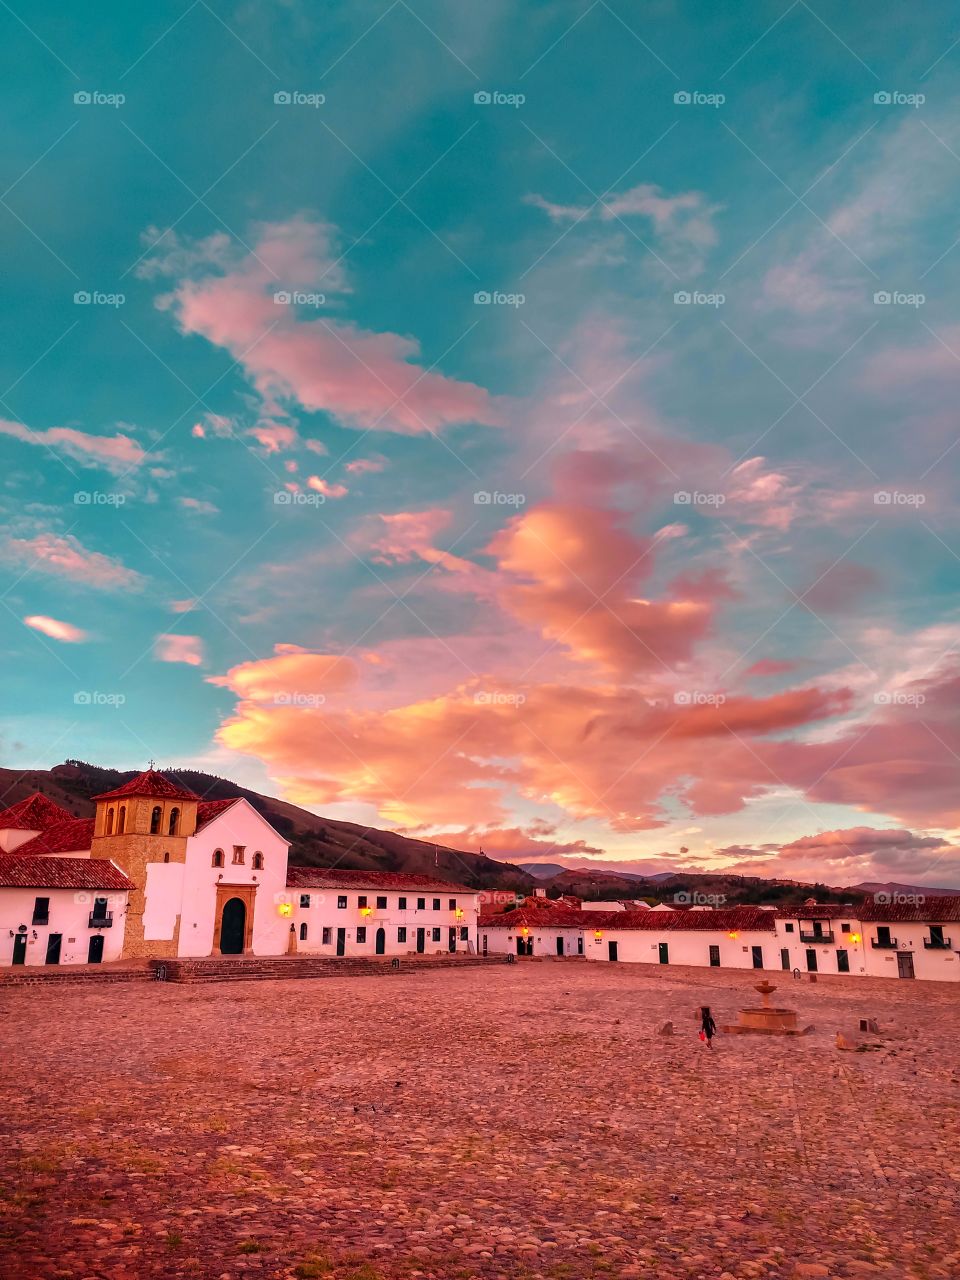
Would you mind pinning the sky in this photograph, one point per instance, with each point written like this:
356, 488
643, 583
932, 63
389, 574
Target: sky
529, 424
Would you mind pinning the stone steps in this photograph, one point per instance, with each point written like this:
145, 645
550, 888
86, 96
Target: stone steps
271, 968
89, 975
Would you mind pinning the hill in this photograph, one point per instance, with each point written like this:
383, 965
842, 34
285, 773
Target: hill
314, 841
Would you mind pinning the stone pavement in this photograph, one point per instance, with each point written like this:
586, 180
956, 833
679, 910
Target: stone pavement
520, 1121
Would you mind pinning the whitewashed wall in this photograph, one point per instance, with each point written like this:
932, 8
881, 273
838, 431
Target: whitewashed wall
69, 915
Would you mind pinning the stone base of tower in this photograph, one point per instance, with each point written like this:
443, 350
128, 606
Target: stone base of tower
137, 947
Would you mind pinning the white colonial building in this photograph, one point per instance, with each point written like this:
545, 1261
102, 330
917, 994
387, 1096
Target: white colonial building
919, 938
160, 873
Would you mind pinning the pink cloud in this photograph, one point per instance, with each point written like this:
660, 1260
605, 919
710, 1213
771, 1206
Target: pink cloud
366, 466
177, 648
199, 505
364, 379
56, 630
67, 557
328, 490
770, 667
116, 453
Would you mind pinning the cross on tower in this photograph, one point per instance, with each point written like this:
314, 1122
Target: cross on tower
151, 764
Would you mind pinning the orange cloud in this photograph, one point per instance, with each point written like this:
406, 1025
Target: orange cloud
64, 631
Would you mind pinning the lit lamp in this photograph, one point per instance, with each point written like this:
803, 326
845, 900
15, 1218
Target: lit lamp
733, 934
364, 911
854, 937
598, 934
524, 932
285, 909
459, 913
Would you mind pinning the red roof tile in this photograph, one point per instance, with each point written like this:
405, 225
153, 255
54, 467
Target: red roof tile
150, 783
17, 872
333, 878
36, 813
73, 836
939, 909
207, 810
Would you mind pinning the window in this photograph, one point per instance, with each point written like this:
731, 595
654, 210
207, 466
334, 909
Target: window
464, 933
155, 817
326, 936
258, 862
217, 860
304, 899
362, 933
238, 852
436, 935
342, 901
174, 821
788, 927
936, 935
402, 904
99, 909
883, 934
845, 927
166, 856
453, 904
381, 904
122, 820
401, 934
421, 904
41, 911
109, 822
362, 900
436, 904
303, 932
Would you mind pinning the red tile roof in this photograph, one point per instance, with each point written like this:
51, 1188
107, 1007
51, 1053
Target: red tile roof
73, 836
36, 813
333, 878
207, 810
940, 909
150, 783
820, 911
725, 920
17, 872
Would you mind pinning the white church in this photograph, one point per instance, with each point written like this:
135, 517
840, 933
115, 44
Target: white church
160, 873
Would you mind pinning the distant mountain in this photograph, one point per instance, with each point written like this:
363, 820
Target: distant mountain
542, 870
314, 841
890, 886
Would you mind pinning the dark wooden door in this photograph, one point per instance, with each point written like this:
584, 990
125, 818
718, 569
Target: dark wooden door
714, 957
664, 953
580, 946
95, 950
341, 942
560, 946
905, 964
757, 957
452, 938
811, 960
20, 949
421, 940
233, 925
784, 957
612, 950
53, 948
381, 945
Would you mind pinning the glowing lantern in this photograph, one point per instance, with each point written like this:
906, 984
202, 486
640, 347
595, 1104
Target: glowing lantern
285, 909
459, 913
598, 934
733, 934
854, 937
364, 911
524, 932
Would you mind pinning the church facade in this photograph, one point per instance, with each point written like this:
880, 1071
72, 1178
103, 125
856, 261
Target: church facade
159, 872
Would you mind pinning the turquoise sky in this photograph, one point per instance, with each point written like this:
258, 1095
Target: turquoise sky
251, 389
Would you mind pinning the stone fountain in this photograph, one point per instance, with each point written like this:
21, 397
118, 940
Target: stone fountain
767, 1019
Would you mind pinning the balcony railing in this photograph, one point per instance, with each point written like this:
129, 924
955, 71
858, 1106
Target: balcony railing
100, 921
884, 944
811, 935
937, 944
40, 917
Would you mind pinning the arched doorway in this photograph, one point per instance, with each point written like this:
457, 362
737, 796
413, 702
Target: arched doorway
381, 941
232, 927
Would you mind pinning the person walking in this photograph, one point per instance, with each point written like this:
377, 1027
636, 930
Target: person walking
708, 1028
